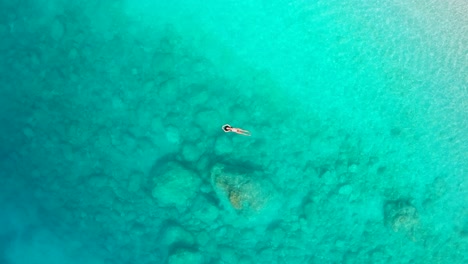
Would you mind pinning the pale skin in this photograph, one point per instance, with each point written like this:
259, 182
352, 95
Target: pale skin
240, 131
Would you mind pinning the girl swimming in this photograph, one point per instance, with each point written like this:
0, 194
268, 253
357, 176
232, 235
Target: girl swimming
229, 128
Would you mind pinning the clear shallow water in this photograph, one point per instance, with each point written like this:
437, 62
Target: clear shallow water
112, 150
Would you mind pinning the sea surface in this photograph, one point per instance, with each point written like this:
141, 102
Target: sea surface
111, 147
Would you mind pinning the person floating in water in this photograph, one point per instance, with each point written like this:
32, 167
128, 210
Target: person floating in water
229, 128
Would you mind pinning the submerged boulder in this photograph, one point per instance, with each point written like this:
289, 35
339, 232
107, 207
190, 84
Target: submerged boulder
401, 216
245, 194
184, 256
175, 186
174, 234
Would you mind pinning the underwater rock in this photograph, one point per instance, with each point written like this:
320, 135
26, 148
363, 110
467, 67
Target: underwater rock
29, 133
134, 181
245, 194
173, 93
177, 243
184, 256
345, 190
401, 216
353, 168
205, 211
245, 260
174, 234
173, 135
163, 63
57, 30
175, 186
227, 254
438, 188
203, 238
191, 152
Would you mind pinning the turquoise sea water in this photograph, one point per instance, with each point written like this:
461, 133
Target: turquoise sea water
112, 149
